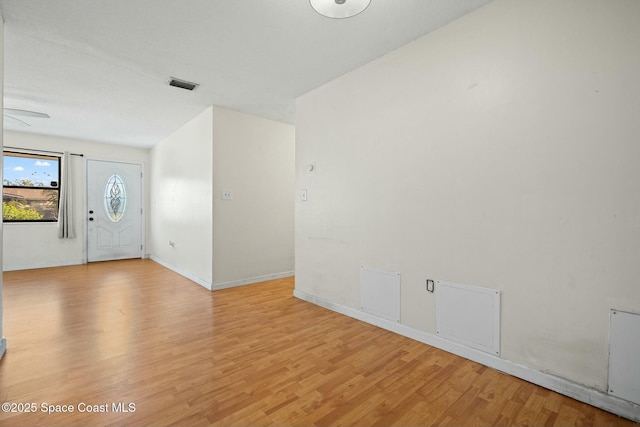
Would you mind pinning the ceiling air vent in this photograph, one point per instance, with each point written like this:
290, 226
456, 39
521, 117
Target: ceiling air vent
182, 84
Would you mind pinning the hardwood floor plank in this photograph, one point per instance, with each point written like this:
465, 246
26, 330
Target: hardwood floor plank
134, 332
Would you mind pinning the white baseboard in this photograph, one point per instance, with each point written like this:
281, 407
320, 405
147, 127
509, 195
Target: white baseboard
45, 265
563, 386
3, 347
251, 280
183, 273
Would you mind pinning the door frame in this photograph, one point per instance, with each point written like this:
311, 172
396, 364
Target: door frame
85, 204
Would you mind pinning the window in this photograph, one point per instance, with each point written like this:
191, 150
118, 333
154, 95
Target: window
115, 198
30, 187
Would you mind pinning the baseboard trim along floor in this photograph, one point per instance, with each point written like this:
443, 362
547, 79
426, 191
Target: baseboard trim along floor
3, 347
189, 276
560, 385
223, 285
251, 280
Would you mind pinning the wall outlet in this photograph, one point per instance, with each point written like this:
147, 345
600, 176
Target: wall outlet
227, 194
430, 285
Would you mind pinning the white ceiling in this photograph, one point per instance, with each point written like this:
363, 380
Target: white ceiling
100, 68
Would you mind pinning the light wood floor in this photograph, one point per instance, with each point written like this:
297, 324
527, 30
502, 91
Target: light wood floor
134, 332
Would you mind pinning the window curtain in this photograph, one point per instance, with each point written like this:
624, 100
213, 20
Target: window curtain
65, 205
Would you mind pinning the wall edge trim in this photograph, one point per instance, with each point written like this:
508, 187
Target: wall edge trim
3, 347
251, 280
44, 265
183, 273
560, 385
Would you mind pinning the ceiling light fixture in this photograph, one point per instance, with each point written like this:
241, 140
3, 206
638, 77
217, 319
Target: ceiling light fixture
339, 8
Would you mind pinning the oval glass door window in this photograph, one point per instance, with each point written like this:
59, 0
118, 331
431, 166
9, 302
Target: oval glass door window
115, 198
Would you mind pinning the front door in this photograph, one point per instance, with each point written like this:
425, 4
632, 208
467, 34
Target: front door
114, 210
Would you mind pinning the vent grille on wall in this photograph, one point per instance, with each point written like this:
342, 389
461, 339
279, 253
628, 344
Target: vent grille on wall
624, 353
182, 84
469, 315
380, 293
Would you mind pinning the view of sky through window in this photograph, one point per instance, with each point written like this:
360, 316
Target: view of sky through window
40, 172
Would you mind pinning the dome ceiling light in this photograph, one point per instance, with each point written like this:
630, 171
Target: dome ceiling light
339, 8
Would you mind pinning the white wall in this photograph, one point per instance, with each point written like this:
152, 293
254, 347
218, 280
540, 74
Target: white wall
500, 151
221, 243
253, 233
37, 245
3, 342
181, 200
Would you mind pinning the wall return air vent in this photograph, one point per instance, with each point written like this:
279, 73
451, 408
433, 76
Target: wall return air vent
182, 84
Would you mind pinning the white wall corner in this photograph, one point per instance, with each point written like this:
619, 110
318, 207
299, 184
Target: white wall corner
258, 220
560, 385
